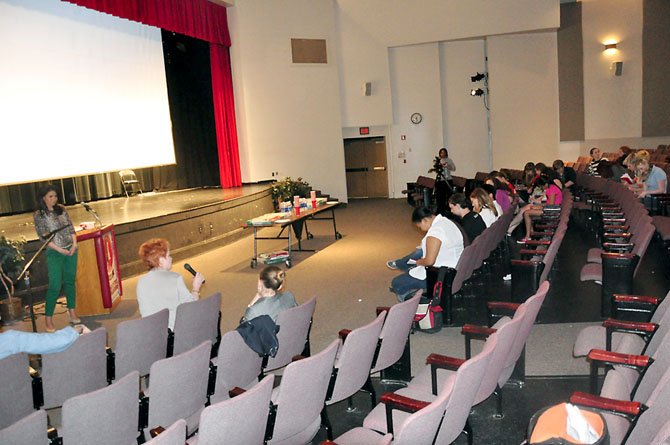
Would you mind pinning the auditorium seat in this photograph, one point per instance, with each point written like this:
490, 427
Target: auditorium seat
79, 369
240, 420
31, 429
237, 365
353, 363
140, 342
178, 389
16, 393
107, 416
300, 397
294, 326
197, 321
174, 435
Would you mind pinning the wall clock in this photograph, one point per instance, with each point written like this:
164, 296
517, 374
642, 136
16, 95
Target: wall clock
416, 118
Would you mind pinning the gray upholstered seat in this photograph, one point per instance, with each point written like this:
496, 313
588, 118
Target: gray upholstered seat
86, 360
237, 421
140, 342
237, 365
107, 416
31, 429
16, 393
195, 322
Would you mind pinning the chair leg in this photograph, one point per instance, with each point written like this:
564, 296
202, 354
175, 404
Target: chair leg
468, 431
498, 395
325, 422
371, 390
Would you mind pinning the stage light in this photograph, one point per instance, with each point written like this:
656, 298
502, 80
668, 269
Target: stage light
477, 77
477, 92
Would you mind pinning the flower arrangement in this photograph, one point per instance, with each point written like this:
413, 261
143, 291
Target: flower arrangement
287, 188
11, 258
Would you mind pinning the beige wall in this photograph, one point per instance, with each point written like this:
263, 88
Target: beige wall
288, 115
612, 105
523, 75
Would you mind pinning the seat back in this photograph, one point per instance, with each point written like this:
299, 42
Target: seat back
505, 335
140, 342
195, 322
31, 429
178, 387
107, 416
650, 422
355, 359
466, 384
394, 332
294, 325
421, 427
301, 396
79, 369
174, 435
16, 392
236, 365
533, 305
240, 420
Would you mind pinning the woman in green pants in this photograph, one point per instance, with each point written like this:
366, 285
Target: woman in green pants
51, 217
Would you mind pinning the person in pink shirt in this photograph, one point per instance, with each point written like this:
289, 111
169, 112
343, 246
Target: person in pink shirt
551, 196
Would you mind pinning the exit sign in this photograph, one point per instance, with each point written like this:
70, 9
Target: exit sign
364, 130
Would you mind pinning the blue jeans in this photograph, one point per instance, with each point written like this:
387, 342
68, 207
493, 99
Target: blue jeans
401, 263
404, 285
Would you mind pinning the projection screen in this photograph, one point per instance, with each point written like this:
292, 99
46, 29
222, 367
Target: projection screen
80, 93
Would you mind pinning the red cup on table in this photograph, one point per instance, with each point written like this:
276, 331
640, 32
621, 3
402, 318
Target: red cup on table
296, 204
312, 195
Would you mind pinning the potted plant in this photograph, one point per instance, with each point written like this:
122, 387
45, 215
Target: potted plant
11, 259
287, 188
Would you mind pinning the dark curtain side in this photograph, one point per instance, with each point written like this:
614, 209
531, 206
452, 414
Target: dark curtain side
190, 94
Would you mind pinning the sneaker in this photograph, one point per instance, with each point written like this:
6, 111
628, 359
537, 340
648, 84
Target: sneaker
522, 240
391, 265
507, 277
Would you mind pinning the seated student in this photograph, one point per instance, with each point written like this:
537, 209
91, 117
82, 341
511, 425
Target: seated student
14, 342
441, 246
599, 166
483, 203
472, 222
501, 194
160, 288
566, 175
268, 300
652, 179
552, 196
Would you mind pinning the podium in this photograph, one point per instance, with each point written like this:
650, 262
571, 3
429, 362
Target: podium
99, 288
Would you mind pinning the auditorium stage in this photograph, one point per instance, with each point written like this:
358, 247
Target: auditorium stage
193, 220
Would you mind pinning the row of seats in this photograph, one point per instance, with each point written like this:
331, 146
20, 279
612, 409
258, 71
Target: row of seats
181, 385
621, 222
436, 404
636, 390
538, 253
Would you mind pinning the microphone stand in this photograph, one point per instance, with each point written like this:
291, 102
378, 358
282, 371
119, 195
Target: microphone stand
25, 274
90, 209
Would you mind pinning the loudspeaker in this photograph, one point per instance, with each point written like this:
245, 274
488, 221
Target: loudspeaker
367, 88
617, 68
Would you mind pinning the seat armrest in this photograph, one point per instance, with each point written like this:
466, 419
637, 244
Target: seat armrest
343, 334
614, 256
444, 362
537, 242
614, 235
642, 299
533, 252
601, 357
502, 306
395, 401
636, 327
478, 332
625, 247
298, 357
236, 391
542, 234
621, 407
381, 309
328, 442
616, 227
614, 220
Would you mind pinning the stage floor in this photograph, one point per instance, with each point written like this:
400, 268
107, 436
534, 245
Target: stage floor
124, 210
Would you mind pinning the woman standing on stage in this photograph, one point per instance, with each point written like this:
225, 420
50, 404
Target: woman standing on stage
51, 217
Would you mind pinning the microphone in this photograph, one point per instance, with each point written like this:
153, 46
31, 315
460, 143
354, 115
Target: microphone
86, 206
190, 269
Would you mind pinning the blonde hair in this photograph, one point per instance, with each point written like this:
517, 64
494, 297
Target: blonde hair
272, 277
483, 200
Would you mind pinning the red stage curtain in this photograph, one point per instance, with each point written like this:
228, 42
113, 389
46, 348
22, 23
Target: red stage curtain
224, 115
202, 20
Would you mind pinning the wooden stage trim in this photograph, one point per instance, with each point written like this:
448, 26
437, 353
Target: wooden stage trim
194, 221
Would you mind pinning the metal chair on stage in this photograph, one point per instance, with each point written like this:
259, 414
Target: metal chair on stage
129, 181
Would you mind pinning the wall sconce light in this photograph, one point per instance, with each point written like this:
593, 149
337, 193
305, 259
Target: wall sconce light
610, 46
477, 92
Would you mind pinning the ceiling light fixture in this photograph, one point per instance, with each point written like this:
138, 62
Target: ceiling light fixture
477, 77
477, 92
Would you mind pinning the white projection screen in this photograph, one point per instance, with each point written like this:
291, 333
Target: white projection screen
80, 93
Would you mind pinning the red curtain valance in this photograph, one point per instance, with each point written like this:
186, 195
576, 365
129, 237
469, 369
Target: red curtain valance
200, 19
